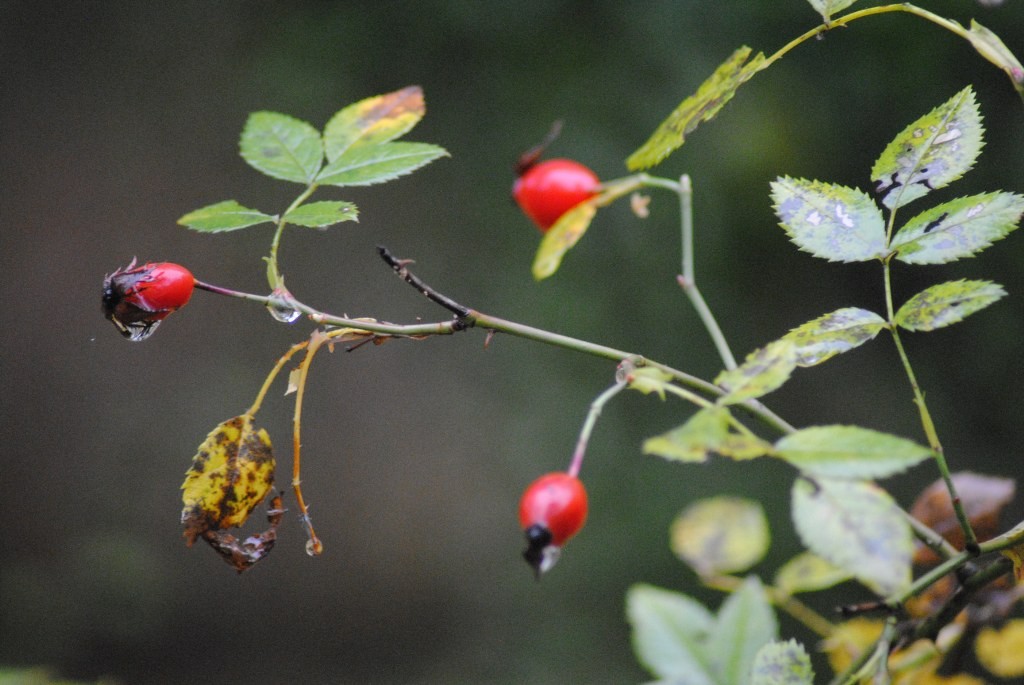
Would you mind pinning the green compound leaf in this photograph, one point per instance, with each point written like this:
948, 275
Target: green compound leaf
706, 432
957, 229
833, 333
947, 303
703, 105
931, 153
224, 216
322, 214
366, 165
849, 452
670, 631
782, 663
720, 535
856, 526
826, 8
282, 147
763, 371
745, 624
833, 222
992, 48
807, 572
373, 121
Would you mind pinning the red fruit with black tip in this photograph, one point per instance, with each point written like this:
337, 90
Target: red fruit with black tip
552, 510
547, 190
137, 298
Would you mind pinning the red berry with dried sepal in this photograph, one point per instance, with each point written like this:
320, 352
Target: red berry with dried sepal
547, 190
137, 298
552, 510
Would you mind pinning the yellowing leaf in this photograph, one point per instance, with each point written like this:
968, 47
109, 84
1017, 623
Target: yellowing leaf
1001, 650
807, 572
566, 232
763, 371
230, 475
703, 105
721, 535
1016, 555
946, 304
373, 121
834, 333
849, 640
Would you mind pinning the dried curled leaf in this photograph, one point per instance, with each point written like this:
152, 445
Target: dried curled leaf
231, 473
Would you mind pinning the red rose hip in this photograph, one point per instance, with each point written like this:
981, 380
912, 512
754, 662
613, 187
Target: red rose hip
137, 298
552, 510
547, 190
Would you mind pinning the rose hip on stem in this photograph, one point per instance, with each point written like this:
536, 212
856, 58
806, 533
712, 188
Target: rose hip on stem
137, 298
552, 510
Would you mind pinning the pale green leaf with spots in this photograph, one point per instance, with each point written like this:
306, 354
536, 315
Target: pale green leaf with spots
834, 333
833, 222
947, 303
931, 153
720, 535
856, 526
959, 228
322, 214
763, 371
849, 452
782, 663
693, 441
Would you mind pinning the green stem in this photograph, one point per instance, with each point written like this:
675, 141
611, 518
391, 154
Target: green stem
274, 277
970, 539
688, 279
846, 19
588, 426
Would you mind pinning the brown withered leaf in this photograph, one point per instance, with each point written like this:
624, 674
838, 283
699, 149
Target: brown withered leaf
231, 473
243, 555
983, 498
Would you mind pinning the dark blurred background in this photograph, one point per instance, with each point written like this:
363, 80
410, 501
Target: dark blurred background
117, 118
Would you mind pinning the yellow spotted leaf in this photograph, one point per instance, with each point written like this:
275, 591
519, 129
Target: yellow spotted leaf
721, 535
373, 121
849, 640
1001, 650
231, 473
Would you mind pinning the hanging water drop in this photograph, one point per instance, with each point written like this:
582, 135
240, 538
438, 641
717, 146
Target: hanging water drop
283, 313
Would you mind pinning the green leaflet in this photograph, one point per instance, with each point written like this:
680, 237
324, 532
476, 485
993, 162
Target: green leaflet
826, 8
373, 121
856, 526
931, 153
703, 105
322, 214
720, 535
680, 641
670, 631
704, 433
833, 333
224, 216
834, 222
849, 452
282, 147
366, 165
782, 663
763, 371
745, 623
807, 572
957, 229
946, 303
